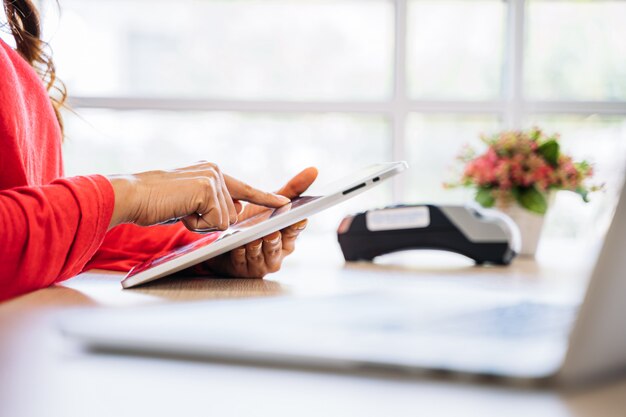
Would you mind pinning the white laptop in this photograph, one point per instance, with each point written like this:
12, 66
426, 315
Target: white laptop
392, 329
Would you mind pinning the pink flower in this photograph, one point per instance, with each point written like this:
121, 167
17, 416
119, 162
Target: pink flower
518, 159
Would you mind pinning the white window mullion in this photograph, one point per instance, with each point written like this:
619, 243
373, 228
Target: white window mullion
208, 104
400, 105
514, 68
396, 105
576, 107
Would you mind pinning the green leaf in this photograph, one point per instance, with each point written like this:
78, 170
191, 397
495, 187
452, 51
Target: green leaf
583, 193
550, 151
531, 200
484, 197
535, 133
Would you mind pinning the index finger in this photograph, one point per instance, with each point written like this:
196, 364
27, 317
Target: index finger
242, 191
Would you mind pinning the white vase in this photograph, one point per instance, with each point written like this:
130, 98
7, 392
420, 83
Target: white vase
530, 225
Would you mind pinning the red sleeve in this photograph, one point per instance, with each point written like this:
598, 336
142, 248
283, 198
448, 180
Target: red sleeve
48, 233
128, 245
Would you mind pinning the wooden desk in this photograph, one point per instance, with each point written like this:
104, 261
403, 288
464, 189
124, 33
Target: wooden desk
42, 375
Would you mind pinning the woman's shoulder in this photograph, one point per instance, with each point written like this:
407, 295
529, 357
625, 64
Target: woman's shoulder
29, 132
16, 71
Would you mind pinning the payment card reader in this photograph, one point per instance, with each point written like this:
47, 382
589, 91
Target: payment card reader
484, 235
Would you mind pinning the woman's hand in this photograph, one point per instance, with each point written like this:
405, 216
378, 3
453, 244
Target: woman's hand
200, 195
258, 258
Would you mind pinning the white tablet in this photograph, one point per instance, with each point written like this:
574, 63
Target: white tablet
262, 224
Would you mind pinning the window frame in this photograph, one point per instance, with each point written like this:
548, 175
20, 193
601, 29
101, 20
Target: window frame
513, 108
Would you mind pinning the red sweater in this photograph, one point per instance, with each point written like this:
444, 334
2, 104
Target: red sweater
52, 228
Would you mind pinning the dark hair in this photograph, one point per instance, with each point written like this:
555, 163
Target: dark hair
24, 21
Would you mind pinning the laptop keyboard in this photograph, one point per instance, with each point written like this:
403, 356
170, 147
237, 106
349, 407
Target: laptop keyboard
523, 320
516, 321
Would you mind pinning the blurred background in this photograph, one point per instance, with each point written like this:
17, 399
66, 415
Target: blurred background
267, 87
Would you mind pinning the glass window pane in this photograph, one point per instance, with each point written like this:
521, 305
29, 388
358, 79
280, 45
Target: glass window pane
5, 32
455, 48
434, 141
600, 140
262, 149
576, 49
246, 49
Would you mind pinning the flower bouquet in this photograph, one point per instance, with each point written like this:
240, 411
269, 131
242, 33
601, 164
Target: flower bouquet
520, 169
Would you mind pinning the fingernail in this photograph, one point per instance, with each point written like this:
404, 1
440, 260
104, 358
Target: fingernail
257, 246
283, 198
274, 241
301, 225
238, 206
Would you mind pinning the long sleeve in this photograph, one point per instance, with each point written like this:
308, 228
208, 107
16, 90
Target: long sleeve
50, 230
48, 233
128, 245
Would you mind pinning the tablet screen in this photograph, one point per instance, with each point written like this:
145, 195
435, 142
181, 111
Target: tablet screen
265, 214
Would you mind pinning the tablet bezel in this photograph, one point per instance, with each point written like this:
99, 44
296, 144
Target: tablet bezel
331, 195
